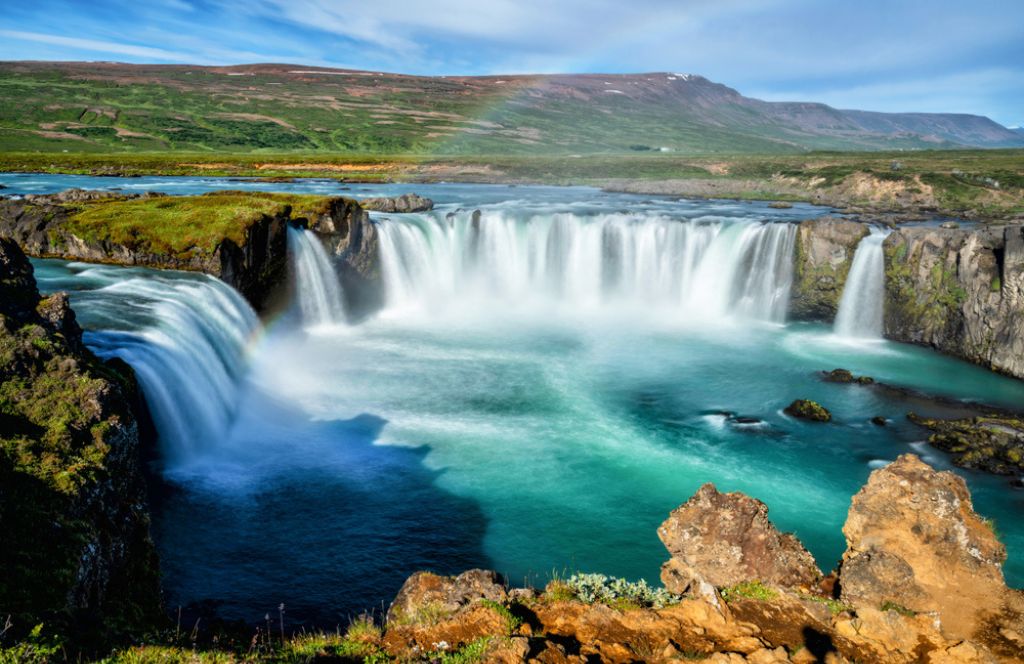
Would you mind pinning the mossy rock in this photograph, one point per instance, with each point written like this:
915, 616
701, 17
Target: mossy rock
806, 409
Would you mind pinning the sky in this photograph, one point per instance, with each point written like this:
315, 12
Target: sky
964, 56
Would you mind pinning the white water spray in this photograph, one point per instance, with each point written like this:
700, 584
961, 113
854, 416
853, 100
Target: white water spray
707, 268
189, 357
861, 306
316, 283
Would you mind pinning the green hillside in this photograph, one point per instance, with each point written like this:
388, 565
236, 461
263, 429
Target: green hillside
106, 107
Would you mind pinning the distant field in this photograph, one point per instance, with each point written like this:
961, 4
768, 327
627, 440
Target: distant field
982, 183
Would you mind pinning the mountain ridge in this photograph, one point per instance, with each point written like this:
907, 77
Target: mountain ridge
105, 106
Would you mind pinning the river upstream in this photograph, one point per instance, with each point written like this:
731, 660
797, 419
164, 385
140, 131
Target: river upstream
542, 387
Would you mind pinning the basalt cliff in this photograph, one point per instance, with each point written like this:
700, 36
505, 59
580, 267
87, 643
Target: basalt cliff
958, 290
75, 550
239, 237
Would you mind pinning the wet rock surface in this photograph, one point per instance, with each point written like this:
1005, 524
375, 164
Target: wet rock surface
993, 442
805, 409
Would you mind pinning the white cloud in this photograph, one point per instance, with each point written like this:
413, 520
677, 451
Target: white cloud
98, 46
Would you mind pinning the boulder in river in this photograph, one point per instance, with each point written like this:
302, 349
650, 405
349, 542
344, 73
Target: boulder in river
806, 409
398, 204
726, 538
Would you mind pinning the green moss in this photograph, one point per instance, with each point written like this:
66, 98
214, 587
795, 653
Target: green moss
184, 225
512, 621
806, 409
835, 607
749, 590
898, 608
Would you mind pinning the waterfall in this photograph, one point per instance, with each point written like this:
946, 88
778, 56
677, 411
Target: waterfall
316, 283
187, 348
860, 308
707, 267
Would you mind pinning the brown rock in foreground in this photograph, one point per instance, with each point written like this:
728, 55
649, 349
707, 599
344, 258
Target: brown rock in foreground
725, 539
915, 542
913, 536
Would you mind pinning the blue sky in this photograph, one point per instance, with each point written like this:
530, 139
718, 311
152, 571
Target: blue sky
888, 55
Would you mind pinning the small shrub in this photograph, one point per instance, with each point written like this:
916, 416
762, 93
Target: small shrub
35, 648
618, 593
471, 653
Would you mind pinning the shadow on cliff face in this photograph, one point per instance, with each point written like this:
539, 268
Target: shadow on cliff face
330, 537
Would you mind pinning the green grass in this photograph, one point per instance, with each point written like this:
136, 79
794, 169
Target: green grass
748, 590
180, 225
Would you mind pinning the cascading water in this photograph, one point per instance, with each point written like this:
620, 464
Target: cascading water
316, 283
861, 306
707, 267
188, 353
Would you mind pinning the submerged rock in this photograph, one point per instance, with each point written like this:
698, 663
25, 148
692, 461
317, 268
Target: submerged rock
994, 443
724, 539
844, 376
915, 543
879, 421
805, 409
780, 205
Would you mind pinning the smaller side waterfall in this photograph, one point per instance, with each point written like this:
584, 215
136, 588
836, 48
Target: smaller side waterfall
316, 283
860, 308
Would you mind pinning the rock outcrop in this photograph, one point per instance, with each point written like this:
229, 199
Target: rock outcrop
345, 229
76, 552
959, 291
726, 538
915, 548
823, 257
398, 204
915, 542
991, 442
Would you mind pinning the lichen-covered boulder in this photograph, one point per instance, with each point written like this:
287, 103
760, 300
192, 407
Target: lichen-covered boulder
806, 409
914, 542
726, 538
427, 593
434, 613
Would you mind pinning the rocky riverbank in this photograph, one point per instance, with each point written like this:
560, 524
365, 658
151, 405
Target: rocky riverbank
76, 553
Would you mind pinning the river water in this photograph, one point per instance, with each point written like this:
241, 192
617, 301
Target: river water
543, 386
